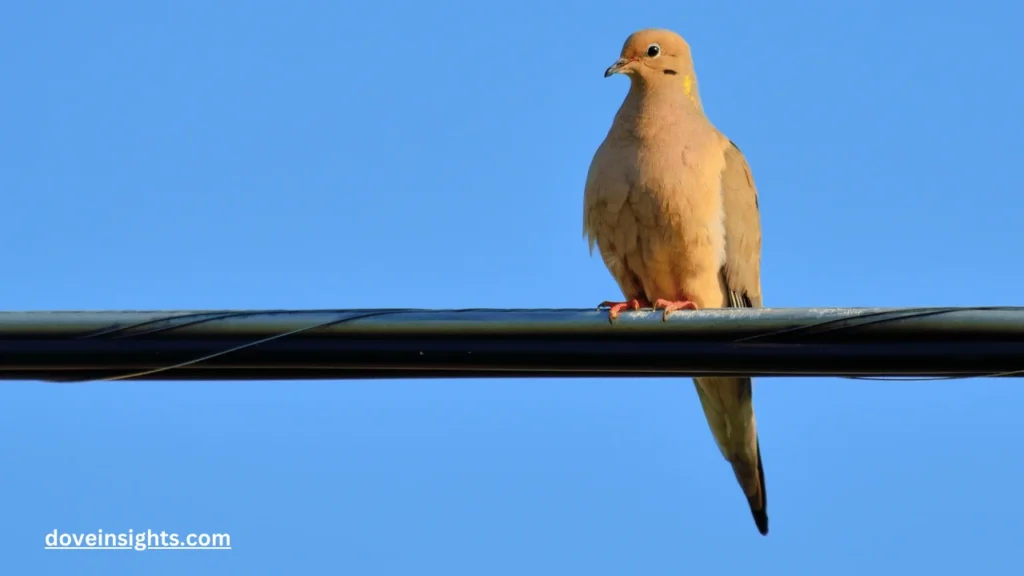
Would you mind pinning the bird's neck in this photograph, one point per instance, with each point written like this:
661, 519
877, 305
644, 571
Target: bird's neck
643, 111
680, 90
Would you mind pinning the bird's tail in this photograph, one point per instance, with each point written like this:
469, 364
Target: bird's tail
728, 406
758, 502
757, 498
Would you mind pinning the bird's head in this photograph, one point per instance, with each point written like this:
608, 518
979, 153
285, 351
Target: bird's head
653, 55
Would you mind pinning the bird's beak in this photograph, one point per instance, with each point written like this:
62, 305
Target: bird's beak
619, 66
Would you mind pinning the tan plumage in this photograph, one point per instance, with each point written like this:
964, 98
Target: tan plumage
671, 204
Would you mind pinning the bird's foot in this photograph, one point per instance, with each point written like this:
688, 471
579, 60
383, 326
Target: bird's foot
616, 307
671, 306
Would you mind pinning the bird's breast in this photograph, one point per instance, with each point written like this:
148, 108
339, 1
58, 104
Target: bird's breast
675, 203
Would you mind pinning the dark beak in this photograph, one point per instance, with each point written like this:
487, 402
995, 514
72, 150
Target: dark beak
617, 67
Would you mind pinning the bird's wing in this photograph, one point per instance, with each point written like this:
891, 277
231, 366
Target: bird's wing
742, 271
607, 218
728, 402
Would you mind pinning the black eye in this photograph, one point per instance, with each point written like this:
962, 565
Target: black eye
653, 50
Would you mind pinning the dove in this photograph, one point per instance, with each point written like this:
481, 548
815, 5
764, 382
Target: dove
672, 207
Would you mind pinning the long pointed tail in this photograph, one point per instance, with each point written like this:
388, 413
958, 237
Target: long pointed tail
759, 506
757, 499
729, 408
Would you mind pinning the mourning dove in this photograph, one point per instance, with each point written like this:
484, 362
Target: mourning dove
671, 204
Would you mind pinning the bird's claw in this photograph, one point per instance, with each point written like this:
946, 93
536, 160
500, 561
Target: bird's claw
672, 305
614, 308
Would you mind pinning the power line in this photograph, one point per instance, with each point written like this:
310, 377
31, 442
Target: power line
412, 343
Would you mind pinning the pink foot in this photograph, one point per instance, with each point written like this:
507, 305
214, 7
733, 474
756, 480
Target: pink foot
617, 307
671, 306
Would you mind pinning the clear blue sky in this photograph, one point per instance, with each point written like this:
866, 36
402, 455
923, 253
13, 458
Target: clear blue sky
195, 155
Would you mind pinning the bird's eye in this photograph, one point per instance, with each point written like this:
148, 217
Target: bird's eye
653, 50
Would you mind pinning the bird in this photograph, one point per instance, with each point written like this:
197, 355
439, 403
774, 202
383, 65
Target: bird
672, 206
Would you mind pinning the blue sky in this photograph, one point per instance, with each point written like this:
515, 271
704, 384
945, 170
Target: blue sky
196, 155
